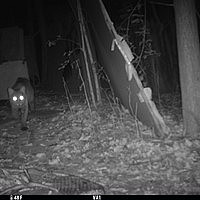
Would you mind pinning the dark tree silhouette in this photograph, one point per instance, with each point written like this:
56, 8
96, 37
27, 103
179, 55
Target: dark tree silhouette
42, 29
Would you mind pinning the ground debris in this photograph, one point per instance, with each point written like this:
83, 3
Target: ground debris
102, 147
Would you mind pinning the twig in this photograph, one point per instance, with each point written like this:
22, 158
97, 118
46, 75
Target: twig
162, 4
136, 121
133, 10
82, 25
86, 96
66, 91
133, 114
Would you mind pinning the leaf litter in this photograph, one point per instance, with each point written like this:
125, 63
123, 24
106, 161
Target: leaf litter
102, 146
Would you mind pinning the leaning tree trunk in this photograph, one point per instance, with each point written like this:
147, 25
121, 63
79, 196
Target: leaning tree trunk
189, 63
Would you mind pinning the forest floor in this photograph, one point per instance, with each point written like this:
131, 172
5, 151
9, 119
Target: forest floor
73, 150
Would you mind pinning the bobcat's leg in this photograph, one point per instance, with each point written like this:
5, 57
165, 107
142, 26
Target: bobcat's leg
15, 112
24, 116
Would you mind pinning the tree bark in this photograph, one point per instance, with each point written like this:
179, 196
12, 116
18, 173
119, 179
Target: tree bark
189, 63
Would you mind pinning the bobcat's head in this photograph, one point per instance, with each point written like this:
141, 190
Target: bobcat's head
17, 97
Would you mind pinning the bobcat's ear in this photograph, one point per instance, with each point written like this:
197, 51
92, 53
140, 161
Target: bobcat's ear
22, 89
10, 91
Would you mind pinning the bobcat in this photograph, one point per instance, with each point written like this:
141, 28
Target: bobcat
21, 97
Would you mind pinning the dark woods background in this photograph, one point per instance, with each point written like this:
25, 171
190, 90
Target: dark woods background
56, 20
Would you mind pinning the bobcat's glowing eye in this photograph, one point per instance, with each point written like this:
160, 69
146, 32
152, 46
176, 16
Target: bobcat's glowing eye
21, 98
14, 98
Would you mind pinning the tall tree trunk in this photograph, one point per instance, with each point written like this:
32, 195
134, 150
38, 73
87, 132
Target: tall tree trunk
42, 29
189, 63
